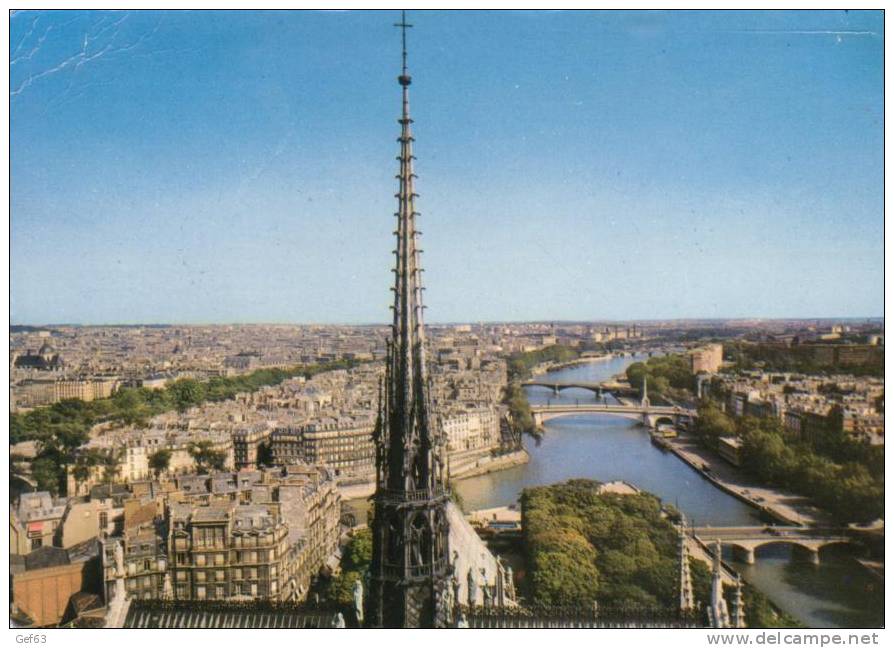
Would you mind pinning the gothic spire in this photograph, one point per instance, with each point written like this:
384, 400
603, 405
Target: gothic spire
410, 568
410, 465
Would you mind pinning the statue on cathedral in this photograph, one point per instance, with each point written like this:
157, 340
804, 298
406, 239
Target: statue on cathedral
473, 588
119, 559
358, 600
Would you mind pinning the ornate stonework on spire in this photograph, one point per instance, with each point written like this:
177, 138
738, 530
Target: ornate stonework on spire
410, 570
718, 612
687, 597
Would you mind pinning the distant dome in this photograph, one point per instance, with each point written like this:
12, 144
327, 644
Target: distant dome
46, 349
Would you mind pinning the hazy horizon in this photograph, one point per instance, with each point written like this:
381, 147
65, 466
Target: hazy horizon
224, 166
848, 318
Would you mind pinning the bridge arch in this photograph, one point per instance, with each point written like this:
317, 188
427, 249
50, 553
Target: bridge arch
647, 416
802, 548
543, 417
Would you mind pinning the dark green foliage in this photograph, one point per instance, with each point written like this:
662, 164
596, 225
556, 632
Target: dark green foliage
520, 409
797, 358
519, 364
713, 424
206, 457
265, 454
667, 375
47, 474
851, 488
358, 553
761, 613
159, 461
583, 546
186, 393
518, 367
355, 561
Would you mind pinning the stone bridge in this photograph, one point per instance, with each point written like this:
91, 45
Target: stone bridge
649, 415
598, 388
806, 542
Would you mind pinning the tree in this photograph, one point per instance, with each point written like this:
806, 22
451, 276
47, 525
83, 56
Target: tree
186, 393
713, 424
206, 458
46, 473
354, 562
160, 461
358, 553
265, 454
112, 465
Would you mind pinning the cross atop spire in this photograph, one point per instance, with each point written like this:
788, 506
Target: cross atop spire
404, 79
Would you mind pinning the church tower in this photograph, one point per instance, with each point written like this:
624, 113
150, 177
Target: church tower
410, 570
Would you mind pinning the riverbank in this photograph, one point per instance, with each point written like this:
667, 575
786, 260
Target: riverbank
489, 464
839, 592
785, 507
479, 465
548, 367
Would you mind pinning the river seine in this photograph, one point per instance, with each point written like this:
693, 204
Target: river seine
837, 593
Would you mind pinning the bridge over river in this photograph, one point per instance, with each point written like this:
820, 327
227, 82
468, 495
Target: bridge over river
649, 415
806, 542
598, 388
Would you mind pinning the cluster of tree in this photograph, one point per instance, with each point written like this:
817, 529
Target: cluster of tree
796, 358
668, 375
618, 550
583, 546
520, 410
519, 364
843, 477
206, 458
64, 426
760, 612
355, 560
518, 367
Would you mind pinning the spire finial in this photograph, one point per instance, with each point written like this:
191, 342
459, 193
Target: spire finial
404, 78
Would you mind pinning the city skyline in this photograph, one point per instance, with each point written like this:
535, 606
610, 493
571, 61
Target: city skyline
789, 207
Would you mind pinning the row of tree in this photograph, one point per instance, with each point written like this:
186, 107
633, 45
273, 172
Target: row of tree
518, 368
852, 490
520, 363
797, 358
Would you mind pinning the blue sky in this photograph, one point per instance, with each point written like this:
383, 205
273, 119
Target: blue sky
239, 166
